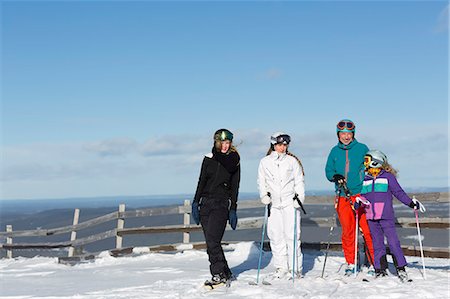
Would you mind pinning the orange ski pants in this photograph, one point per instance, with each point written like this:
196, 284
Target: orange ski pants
346, 215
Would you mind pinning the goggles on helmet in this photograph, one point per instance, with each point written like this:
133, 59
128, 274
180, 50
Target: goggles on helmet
342, 125
370, 162
284, 139
223, 135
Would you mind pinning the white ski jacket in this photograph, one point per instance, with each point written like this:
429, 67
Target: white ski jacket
282, 176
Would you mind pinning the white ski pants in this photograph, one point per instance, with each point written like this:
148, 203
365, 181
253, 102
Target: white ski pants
280, 230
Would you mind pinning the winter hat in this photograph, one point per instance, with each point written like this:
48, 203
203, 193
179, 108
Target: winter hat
345, 125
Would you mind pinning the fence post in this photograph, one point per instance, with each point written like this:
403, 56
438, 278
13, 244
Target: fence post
9, 241
120, 225
73, 235
187, 220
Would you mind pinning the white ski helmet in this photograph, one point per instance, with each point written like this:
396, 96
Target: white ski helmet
374, 159
280, 137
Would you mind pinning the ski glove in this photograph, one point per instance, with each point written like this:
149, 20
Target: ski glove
415, 204
266, 199
232, 216
338, 179
195, 212
361, 201
297, 203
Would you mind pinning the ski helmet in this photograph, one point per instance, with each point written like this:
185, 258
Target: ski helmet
222, 135
345, 125
280, 137
374, 159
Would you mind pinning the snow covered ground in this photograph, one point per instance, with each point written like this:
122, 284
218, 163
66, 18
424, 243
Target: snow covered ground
181, 275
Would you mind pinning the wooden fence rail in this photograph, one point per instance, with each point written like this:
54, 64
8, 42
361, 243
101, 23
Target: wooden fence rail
121, 215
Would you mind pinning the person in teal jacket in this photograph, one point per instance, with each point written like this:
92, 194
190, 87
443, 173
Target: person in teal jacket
347, 159
345, 166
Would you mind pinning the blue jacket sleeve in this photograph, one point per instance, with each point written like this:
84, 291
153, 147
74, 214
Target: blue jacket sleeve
330, 168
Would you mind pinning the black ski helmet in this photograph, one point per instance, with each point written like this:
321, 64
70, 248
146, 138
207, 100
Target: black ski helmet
222, 135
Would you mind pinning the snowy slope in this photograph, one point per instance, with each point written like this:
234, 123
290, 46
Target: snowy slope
180, 275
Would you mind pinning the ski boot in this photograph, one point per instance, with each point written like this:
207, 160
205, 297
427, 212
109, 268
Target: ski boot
349, 270
380, 273
370, 271
217, 280
228, 274
402, 275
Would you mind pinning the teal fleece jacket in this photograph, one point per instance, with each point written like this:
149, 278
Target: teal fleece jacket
347, 160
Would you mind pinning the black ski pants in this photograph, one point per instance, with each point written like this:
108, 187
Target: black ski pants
213, 217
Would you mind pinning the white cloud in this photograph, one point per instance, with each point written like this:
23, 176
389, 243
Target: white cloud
271, 74
112, 147
170, 164
173, 145
443, 21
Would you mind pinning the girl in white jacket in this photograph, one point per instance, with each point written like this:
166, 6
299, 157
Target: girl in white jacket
281, 186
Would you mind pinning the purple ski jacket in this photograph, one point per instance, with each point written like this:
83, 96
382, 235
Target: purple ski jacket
379, 192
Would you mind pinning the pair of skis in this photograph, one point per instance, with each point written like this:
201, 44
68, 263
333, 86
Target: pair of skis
402, 279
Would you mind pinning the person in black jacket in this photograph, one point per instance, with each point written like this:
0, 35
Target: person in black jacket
215, 200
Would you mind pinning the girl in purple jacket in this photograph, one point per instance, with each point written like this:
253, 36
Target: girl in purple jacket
379, 187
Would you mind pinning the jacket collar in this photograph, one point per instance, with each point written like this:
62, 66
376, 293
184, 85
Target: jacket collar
348, 146
382, 172
277, 156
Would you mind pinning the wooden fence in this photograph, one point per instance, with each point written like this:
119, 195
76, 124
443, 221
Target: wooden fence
186, 228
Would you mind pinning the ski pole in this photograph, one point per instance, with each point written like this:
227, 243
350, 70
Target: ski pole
416, 211
331, 231
262, 242
356, 240
295, 245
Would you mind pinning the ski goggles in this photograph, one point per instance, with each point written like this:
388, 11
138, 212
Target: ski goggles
284, 139
342, 125
223, 135
369, 162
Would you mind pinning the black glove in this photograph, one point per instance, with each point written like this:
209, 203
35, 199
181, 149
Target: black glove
298, 203
338, 179
195, 212
232, 216
416, 204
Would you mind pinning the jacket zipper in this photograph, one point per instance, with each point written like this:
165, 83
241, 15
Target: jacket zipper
215, 177
347, 164
373, 190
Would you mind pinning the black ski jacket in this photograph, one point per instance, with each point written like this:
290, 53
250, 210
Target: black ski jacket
216, 182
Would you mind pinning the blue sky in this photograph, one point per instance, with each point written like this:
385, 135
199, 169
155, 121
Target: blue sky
121, 98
